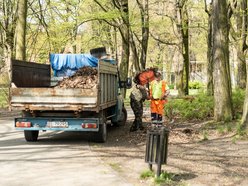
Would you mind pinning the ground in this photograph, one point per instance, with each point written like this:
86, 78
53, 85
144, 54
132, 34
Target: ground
197, 156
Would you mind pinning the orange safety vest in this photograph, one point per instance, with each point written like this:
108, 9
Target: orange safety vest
157, 90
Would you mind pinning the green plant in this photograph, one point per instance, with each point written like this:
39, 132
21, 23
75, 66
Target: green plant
205, 135
198, 107
165, 178
171, 86
195, 85
147, 174
238, 97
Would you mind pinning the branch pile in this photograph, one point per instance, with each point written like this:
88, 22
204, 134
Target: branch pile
85, 78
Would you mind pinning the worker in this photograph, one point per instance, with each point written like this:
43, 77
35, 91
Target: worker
138, 95
158, 94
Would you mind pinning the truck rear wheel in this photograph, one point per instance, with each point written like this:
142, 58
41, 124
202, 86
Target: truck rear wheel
101, 135
31, 135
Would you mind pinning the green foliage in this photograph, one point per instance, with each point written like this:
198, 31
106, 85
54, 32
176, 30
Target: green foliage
195, 85
3, 97
201, 106
225, 127
198, 107
205, 135
238, 97
171, 86
164, 178
147, 174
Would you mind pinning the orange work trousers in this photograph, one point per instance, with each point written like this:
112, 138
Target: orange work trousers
157, 106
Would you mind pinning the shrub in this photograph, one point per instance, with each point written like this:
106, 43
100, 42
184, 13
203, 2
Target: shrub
198, 107
171, 86
238, 97
201, 106
195, 85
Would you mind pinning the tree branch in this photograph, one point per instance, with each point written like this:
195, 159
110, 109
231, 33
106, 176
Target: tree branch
162, 41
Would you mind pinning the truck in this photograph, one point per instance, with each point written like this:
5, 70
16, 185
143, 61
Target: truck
46, 107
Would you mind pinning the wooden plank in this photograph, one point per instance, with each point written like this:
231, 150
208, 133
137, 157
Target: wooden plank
105, 67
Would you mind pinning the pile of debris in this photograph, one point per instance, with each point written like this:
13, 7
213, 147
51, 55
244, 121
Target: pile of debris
85, 78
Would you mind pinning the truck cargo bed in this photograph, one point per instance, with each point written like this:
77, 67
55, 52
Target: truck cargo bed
34, 98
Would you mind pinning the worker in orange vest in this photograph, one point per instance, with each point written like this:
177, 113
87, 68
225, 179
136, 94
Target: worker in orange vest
158, 94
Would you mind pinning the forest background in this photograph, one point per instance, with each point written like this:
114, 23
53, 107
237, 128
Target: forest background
189, 40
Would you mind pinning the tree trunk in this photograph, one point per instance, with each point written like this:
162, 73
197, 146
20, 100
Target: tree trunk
145, 31
125, 33
21, 30
184, 30
135, 55
221, 76
244, 120
8, 28
241, 48
210, 90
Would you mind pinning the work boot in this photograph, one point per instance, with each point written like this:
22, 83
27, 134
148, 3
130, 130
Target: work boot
160, 117
153, 116
141, 127
133, 128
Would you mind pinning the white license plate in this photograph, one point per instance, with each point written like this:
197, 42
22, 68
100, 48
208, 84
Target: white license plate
57, 124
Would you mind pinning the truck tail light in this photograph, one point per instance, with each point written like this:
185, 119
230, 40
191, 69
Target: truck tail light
23, 124
89, 125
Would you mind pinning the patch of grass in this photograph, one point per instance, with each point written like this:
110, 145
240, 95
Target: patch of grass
147, 174
164, 178
205, 135
240, 131
116, 167
226, 127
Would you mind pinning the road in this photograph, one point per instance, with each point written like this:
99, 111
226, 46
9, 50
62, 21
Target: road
56, 159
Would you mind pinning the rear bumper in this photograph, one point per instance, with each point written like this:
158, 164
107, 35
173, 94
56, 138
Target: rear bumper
58, 124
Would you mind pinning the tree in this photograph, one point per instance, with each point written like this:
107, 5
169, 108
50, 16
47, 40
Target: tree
123, 25
145, 31
240, 35
221, 73
7, 28
21, 30
244, 120
183, 27
210, 90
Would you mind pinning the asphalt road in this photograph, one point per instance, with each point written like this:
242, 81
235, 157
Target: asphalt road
56, 159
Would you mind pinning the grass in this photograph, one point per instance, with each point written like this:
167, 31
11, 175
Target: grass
165, 178
116, 167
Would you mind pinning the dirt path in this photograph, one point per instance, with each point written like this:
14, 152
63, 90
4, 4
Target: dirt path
217, 160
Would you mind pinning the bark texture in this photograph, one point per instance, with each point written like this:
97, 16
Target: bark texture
21, 30
221, 76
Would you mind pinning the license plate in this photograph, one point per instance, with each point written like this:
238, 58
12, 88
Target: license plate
57, 124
